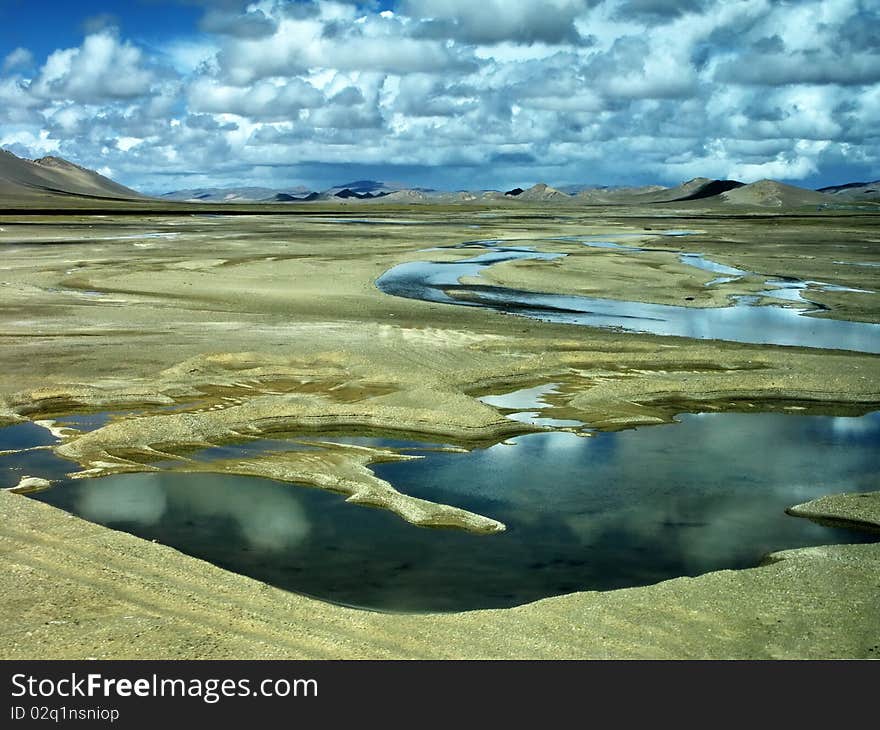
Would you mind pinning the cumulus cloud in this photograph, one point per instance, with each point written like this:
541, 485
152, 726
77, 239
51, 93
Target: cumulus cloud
493, 21
463, 94
208, 123
347, 117
17, 105
102, 68
424, 95
658, 10
634, 68
250, 24
811, 67
18, 59
337, 40
263, 101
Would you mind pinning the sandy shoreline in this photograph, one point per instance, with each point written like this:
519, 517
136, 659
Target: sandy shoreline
73, 589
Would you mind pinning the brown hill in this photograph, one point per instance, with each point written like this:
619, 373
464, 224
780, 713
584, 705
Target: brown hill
699, 187
855, 192
25, 180
615, 196
772, 194
686, 189
542, 191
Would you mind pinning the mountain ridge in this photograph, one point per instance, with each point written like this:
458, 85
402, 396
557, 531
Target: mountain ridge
54, 177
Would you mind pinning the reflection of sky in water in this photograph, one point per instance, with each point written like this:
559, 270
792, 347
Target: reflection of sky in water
763, 325
269, 521
740, 322
536, 419
523, 398
793, 291
34, 463
378, 442
87, 421
720, 280
592, 243
527, 398
613, 510
426, 279
24, 435
244, 449
698, 261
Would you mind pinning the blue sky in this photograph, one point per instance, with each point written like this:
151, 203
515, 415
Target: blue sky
43, 27
168, 94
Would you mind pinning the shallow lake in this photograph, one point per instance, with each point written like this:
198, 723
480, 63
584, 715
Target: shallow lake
608, 511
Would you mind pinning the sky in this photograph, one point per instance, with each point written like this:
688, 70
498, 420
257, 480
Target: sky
451, 94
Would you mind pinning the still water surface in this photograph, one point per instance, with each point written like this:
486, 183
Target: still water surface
742, 321
609, 511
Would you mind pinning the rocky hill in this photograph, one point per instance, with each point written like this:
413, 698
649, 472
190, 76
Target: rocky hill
24, 180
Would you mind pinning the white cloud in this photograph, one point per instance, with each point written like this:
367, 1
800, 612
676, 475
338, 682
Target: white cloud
127, 143
299, 45
19, 58
69, 119
253, 23
187, 55
33, 145
495, 21
817, 67
264, 100
103, 68
17, 105
783, 166
471, 93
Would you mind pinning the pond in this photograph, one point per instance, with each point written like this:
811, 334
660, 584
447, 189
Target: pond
583, 513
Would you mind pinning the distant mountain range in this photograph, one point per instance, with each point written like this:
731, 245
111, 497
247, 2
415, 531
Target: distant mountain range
357, 189
25, 181
855, 190
764, 193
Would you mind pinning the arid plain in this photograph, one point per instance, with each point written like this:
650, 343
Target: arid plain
197, 330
